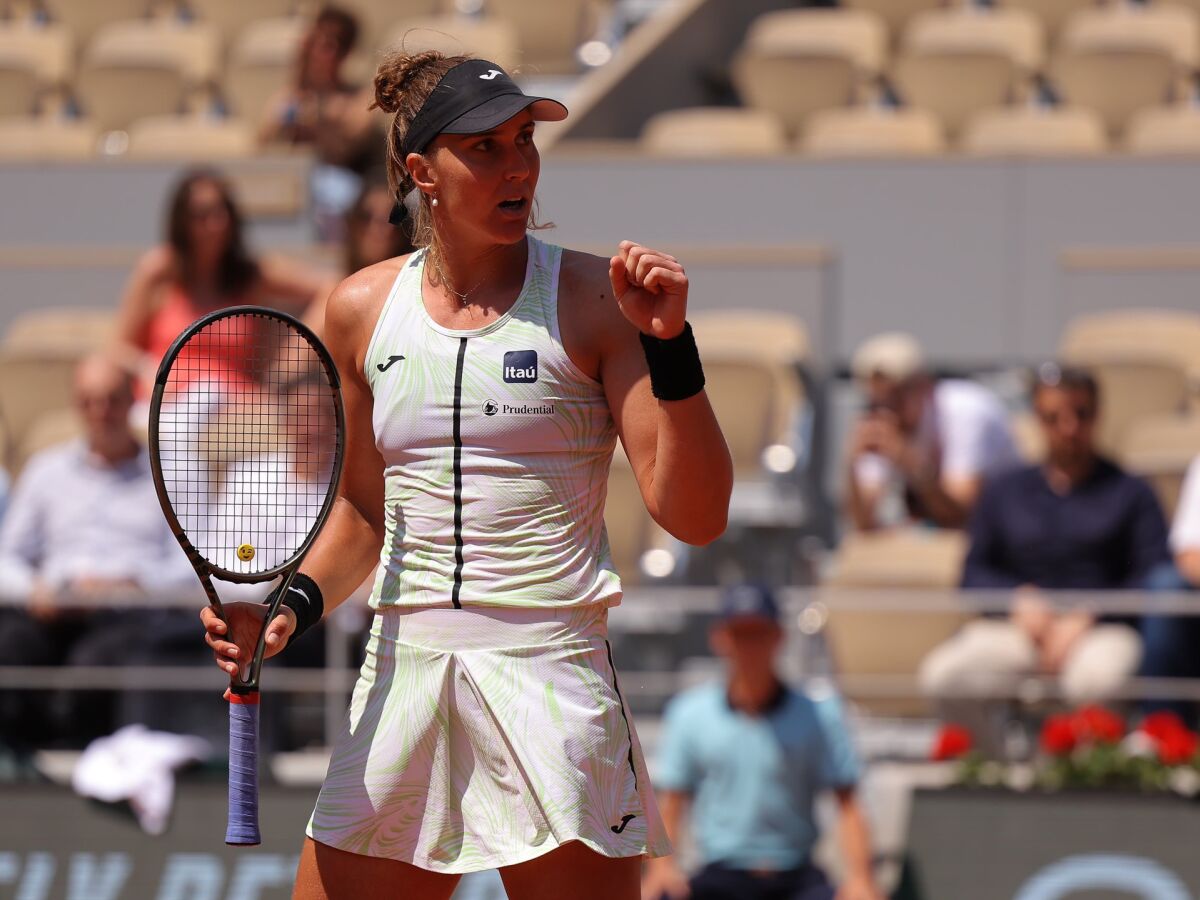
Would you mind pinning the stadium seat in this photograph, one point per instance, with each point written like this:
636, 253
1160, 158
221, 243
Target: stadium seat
190, 137
44, 432
71, 330
752, 365
85, 18
1123, 58
1035, 131
713, 131
1160, 449
144, 68
1169, 336
379, 17
626, 519
795, 62
33, 382
870, 131
882, 642
229, 17
895, 13
491, 38
1165, 131
550, 31
1132, 390
47, 137
260, 63
957, 62
33, 61
1053, 14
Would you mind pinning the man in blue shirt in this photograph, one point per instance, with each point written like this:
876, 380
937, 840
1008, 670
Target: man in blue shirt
751, 755
1076, 521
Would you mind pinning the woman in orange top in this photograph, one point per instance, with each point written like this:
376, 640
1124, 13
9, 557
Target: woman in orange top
203, 266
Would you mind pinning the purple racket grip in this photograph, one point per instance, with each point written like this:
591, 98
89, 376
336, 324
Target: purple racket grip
243, 770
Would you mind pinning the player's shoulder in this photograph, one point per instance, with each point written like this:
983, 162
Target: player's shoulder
355, 303
584, 288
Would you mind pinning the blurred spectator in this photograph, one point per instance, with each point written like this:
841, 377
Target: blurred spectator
1172, 643
321, 109
370, 236
926, 444
84, 525
1075, 522
203, 266
751, 755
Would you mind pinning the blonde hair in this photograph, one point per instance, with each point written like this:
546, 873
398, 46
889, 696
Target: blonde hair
403, 83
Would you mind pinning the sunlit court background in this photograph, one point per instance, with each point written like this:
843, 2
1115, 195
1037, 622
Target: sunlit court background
1012, 183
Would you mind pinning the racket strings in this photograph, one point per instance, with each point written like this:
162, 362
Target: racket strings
248, 441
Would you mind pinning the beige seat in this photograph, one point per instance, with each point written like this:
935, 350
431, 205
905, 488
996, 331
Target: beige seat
33, 382
1170, 336
489, 38
1132, 390
84, 18
1035, 131
895, 13
33, 61
44, 138
713, 131
379, 17
1117, 60
229, 17
144, 68
1053, 14
626, 520
69, 330
190, 137
752, 365
875, 132
1160, 449
44, 432
1165, 131
874, 643
550, 30
958, 62
260, 63
796, 62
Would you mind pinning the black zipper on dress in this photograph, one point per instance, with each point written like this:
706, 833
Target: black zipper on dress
458, 539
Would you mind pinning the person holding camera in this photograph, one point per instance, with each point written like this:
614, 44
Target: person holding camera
922, 447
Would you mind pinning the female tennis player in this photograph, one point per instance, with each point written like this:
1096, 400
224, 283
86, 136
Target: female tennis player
487, 377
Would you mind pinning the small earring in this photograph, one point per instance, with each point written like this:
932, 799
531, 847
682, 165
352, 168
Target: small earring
433, 202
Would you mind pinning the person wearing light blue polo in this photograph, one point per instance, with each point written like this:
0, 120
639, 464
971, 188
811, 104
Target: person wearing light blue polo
750, 755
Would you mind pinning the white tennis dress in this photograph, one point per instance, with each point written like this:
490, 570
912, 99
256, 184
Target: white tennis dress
487, 726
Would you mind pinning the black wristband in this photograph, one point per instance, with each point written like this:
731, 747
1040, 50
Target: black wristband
675, 371
304, 598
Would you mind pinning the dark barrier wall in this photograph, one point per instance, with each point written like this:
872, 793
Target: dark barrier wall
995, 845
57, 846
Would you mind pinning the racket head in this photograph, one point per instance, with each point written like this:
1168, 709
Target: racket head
247, 436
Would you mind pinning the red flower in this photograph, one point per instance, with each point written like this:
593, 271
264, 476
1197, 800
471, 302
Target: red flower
952, 742
1178, 747
1099, 725
1058, 735
1161, 724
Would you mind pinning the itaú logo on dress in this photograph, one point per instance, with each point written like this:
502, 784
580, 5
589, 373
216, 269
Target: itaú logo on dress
520, 366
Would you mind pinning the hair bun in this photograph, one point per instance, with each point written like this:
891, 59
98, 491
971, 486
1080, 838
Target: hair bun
397, 73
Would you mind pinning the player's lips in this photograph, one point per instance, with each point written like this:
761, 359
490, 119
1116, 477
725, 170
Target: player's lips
515, 207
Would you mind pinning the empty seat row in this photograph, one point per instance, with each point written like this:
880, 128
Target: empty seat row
956, 61
875, 131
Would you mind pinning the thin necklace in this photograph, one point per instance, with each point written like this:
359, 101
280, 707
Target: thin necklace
461, 295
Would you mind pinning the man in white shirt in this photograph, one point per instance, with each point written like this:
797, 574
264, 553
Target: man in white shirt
920, 444
83, 525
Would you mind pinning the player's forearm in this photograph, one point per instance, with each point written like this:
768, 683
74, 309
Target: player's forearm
693, 472
344, 555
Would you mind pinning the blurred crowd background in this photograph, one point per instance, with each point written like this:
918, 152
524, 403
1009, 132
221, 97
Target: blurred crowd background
945, 263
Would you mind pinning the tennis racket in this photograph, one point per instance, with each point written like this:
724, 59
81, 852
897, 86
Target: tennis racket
246, 443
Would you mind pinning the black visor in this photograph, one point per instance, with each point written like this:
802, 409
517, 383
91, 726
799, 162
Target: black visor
472, 97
